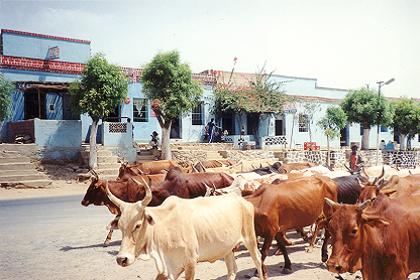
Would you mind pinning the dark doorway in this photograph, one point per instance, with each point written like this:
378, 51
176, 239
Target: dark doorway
344, 136
252, 123
176, 129
227, 123
279, 129
34, 104
397, 137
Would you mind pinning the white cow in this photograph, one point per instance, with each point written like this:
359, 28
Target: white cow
182, 232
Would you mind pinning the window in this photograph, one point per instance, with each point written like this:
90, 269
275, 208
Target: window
197, 114
384, 128
140, 110
303, 123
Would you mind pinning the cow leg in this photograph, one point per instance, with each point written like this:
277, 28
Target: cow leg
313, 238
108, 238
264, 252
287, 268
252, 247
161, 277
190, 271
231, 266
324, 249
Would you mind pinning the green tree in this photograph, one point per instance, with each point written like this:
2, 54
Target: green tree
6, 88
309, 109
335, 119
169, 84
406, 119
102, 88
261, 95
365, 107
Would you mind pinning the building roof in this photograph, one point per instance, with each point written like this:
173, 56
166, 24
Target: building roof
30, 34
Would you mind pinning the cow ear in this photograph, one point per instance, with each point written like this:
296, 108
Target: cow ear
374, 220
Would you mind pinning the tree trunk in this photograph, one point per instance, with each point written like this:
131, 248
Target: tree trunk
166, 132
328, 152
93, 158
310, 132
365, 138
403, 142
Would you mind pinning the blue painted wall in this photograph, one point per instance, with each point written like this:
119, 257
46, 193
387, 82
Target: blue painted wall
56, 133
35, 76
37, 47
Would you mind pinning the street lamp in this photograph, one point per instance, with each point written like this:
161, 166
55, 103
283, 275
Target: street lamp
380, 84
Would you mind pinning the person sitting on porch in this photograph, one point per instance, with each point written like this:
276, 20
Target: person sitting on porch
155, 140
390, 146
355, 159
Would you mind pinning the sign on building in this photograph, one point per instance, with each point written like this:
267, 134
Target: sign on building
53, 53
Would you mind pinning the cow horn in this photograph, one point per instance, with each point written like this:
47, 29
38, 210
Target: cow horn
380, 184
208, 190
409, 171
364, 205
202, 165
331, 203
148, 196
94, 174
377, 179
363, 173
348, 168
194, 169
360, 183
118, 202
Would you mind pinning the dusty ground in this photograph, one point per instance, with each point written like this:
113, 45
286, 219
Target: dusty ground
56, 238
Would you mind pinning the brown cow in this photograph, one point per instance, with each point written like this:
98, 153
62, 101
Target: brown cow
149, 167
395, 187
175, 183
289, 205
285, 168
382, 240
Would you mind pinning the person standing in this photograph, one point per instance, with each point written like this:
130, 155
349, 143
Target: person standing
355, 159
210, 130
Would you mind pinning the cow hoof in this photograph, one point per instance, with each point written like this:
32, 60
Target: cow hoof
324, 257
286, 271
106, 243
309, 249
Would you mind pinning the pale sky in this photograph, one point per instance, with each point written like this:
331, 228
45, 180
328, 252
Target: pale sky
342, 43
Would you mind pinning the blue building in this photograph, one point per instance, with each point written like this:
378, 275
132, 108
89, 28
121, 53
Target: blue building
43, 66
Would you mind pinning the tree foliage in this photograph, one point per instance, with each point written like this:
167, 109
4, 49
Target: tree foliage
102, 88
335, 119
365, 107
169, 83
406, 118
262, 95
6, 88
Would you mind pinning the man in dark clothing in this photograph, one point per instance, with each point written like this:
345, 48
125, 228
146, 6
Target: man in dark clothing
210, 130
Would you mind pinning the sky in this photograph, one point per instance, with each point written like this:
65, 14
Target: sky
342, 43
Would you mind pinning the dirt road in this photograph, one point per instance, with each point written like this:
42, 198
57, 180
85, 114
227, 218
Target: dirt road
57, 238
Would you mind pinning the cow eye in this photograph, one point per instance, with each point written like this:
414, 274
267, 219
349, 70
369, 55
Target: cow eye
137, 227
354, 231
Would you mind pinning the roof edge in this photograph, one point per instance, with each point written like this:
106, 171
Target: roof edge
31, 34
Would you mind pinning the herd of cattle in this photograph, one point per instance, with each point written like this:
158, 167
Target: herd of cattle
371, 217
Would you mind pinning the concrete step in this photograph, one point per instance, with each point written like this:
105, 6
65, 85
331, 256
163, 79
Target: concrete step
109, 166
17, 172
30, 183
31, 148
12, 160
108, 177
20, 178
100, 153
107, 171
107, 159
17, 166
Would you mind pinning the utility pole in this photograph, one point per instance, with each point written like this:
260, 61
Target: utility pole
380, 84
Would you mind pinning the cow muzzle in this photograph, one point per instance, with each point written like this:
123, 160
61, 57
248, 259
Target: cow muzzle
125, 260
85, 202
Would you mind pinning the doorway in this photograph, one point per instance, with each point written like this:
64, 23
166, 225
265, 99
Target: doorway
344, 136
227, 123
176, 129
279, 128
34, 102
252, 121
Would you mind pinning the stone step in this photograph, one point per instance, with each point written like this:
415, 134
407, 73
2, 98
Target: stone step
107, 171
17, 166
13, 160
109, 166
30, 183
17, 172
108, 177
20, 177
31, 148
100, 153
107, 159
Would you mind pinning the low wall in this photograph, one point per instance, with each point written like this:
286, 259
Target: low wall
201, 146
400, 159
117, 134
337, 157
238, 155
58, 133
189, 156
